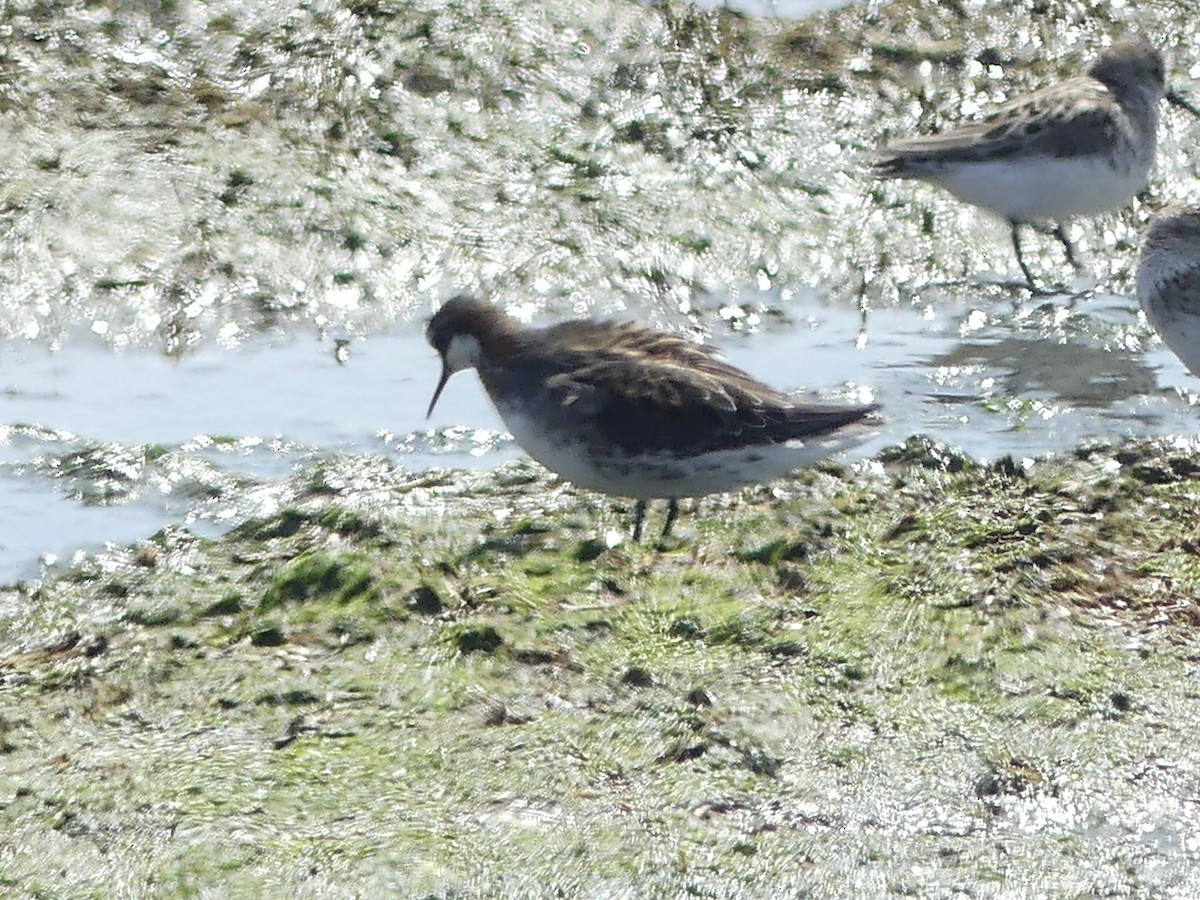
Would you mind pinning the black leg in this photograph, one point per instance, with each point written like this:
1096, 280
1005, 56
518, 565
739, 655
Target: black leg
639, 516
1016, 241
1072, 258
672, 513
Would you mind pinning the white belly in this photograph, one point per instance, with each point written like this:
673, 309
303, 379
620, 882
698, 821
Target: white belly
653, 476
1040, 189
1177, 322
1183, 337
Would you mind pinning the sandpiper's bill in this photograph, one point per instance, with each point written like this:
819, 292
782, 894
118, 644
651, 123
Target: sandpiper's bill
629, 410
1076, 148
1168, 281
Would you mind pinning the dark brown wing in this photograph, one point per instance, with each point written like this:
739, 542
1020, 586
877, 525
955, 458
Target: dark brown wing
649, 391
1052, 122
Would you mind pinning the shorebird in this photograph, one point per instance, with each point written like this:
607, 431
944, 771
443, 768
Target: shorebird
1168, 281
1076, 148
629, 410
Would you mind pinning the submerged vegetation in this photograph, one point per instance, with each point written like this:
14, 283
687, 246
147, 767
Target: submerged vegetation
256, 166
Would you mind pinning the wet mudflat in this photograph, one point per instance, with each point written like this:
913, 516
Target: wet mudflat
925, 672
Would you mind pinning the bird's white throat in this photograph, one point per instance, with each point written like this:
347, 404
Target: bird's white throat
463, 352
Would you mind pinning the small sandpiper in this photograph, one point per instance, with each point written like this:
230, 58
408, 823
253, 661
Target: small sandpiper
1168, 281
1076, 148
629, 410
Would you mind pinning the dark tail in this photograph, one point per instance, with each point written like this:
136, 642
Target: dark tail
889, 167
806, 421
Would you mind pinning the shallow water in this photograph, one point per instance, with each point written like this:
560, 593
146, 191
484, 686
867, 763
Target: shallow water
991, 379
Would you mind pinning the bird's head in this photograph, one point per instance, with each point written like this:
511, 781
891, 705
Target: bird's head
459, 332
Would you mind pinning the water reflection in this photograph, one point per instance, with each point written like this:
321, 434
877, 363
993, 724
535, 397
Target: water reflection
1077, 374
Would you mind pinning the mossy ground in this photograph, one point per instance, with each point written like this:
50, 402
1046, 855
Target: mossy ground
916, 678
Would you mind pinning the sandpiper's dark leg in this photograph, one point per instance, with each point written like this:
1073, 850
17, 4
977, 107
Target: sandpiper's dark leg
1016, 242
672, 513
1072, 258
639, 516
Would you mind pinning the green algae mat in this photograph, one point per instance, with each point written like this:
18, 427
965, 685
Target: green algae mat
927, 677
